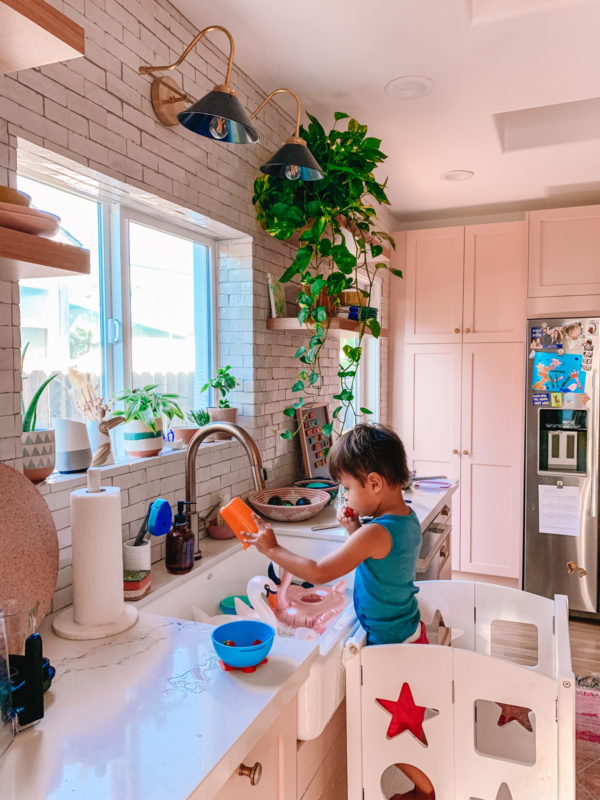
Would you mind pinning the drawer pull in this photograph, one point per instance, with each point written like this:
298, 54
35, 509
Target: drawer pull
456, 330
444, 551
445, 511
254, 773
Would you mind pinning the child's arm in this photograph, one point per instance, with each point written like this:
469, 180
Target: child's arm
369, 541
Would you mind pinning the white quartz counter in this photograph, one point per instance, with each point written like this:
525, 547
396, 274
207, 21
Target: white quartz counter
147, 714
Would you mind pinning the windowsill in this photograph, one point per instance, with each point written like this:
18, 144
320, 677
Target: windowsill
58, 481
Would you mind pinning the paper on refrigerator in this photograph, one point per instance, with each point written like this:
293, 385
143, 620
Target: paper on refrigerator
559, 510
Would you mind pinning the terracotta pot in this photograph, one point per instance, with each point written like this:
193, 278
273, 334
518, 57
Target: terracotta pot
182, 434
39, 453
222, 415
140, 440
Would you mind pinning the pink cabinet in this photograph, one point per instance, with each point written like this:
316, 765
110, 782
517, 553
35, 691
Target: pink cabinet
491, 447
466, 284
564, 252
276, 755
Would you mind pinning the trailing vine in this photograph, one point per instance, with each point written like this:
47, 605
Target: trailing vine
324, 265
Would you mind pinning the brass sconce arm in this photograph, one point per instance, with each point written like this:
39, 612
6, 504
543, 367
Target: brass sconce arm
272, 94
148, 70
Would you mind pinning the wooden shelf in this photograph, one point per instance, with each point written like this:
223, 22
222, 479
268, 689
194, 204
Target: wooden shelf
338, 326
33, 33
23, 255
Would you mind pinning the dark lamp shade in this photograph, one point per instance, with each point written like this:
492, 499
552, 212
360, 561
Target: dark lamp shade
221, 112
292, 156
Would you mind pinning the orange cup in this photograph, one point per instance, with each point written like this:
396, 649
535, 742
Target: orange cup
239, 518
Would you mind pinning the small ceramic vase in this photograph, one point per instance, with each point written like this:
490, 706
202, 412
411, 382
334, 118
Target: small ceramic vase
140, 440
39, 454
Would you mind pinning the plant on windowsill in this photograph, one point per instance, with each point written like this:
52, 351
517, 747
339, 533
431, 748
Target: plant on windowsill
142, 418
223, 383
39, 447
198, 418
320, 212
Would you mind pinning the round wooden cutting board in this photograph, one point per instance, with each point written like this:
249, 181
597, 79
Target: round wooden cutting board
28, 544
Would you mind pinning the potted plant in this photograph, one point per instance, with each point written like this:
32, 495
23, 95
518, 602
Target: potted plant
39, 448
142, 418
198, 418
222, 383
334, 222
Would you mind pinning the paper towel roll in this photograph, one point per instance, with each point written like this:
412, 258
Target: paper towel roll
97, 556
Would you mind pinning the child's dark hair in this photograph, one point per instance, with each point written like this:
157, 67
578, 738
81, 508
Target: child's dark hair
369, 448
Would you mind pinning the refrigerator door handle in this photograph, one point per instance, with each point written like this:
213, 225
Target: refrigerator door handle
595, 430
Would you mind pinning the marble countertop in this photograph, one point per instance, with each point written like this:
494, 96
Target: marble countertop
147, 713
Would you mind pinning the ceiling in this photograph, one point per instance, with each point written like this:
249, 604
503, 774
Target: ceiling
488, 59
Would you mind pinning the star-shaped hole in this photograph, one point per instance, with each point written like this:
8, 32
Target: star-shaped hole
406, 715
503, 794
511, 713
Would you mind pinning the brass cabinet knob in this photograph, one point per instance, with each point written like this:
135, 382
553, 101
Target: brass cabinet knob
466, 453
456, 330
467, 330
254, 772
455, 452
445, 509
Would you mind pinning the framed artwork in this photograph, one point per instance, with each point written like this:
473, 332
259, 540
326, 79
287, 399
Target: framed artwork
314, 443
276, 297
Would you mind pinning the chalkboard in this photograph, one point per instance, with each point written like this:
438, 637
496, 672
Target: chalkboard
315, 444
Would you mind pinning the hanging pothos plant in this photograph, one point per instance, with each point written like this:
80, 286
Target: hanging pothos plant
324, 265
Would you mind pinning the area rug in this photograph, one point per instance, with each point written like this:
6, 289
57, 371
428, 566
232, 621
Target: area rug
587, 707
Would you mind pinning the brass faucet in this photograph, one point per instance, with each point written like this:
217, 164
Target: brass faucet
259, 473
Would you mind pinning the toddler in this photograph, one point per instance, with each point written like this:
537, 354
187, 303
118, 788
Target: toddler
369, 462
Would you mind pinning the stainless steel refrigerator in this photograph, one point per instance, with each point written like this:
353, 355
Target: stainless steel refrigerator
561, 464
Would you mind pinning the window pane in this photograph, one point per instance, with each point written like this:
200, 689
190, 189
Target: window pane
60, 317
350, 420
169, 308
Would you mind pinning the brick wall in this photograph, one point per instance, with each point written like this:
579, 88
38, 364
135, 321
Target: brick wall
96, 111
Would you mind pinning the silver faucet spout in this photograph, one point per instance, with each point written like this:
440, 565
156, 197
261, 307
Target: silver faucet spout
242, 436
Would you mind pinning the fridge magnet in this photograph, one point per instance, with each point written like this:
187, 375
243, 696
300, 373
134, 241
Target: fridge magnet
591, 327
540, 399
550, 338
588, 354
573, 336
556, 399
536, 338
558, 373
276, 297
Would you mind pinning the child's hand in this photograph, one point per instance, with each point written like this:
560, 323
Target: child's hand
264, 540
348, 518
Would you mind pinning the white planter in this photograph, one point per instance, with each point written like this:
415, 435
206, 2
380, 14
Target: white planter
140, 441
39, 454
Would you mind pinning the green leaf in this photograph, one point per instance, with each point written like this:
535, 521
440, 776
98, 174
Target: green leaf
299, 403
289, 412
30, 417
376, 250
375, 327
286, 435
305, 299
315, 341
324, 247
303, 315
365, 410
327, 429
340, 115
300, 352
298, 386
396, 272
343, 258
317, 285
319, 314
337, 411
313, 378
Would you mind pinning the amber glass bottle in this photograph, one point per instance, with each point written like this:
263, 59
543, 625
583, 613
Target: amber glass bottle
179, 556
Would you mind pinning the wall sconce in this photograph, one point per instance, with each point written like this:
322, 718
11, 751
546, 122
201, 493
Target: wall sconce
219, 115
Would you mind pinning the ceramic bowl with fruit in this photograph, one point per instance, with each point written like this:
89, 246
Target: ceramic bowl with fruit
243, 643
325, 484
289, 504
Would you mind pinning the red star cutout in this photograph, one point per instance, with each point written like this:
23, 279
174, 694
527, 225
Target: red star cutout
406, 716
519, 714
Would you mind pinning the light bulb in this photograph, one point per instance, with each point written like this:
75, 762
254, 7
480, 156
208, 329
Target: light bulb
292, 172
218, 127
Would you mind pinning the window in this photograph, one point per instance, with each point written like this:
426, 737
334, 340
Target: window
143, 316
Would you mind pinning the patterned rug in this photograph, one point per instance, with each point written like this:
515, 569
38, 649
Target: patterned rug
587, 707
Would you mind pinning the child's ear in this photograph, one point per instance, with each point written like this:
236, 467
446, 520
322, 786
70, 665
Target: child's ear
375, 481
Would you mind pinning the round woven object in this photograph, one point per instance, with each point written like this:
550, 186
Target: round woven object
28, 544
318, 500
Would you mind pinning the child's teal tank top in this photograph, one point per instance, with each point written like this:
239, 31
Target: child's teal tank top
384, 589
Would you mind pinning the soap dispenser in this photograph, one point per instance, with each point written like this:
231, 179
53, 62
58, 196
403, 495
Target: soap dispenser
179, 556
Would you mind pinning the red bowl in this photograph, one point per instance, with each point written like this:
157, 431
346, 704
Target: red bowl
318, 501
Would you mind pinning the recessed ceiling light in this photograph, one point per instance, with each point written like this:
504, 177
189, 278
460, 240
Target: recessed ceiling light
409, 86
458, 175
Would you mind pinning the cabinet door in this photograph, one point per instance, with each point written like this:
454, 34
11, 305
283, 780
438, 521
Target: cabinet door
434, 285
276, 752
492, 459
564, 251
495, 280
431, 429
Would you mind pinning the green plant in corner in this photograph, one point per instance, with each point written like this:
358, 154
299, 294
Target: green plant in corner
29, 414
223, 383
146, 404
324, 265
200, 417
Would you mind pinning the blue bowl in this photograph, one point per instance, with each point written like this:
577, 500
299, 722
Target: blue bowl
325, 484
243, 632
